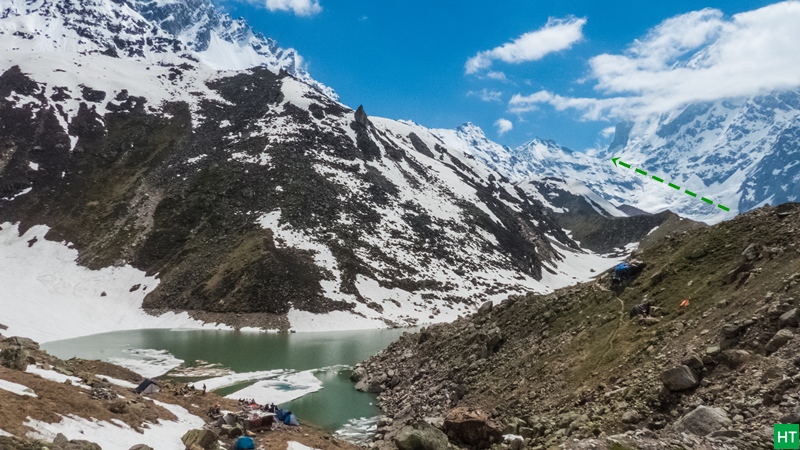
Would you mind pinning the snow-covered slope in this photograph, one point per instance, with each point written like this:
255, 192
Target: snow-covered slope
252, 191
740, 153
157, 31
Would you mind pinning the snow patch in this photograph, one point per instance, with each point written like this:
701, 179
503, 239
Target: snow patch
52, 375
117, 435
118, 382
212, 384
294, 445
45, 281
281, 389
196, 159
15, 388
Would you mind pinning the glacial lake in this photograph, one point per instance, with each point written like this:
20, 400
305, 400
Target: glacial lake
334, 406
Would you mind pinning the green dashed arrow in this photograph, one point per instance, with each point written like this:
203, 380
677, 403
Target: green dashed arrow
673, 186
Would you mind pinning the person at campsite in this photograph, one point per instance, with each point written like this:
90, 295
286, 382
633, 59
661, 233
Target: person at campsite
204, 389
214, 410
642, 310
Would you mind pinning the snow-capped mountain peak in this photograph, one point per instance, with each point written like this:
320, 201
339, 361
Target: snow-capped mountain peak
157, 31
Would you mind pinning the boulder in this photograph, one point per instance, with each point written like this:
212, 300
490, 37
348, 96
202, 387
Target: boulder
527, 432
779, 340
631, 416
694, 362
225, 430
679, 378
369, 384
118, 406
60, 440
789, 319
204, 439
421, 436
358, 374
730, 330
704, 420
236, 431
141, 447
513, 425
15, 358
735, 358
485, 308
750, 253
472, 427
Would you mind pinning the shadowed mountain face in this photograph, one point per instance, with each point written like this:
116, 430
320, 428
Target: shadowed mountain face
256, 193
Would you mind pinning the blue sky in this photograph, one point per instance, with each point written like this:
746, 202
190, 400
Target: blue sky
407, 59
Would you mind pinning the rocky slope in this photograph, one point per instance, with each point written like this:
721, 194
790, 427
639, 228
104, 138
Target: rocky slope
572, 369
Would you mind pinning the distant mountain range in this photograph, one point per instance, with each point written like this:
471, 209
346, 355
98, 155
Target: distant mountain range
742, 154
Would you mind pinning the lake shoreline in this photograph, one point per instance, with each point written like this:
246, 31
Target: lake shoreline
308, 371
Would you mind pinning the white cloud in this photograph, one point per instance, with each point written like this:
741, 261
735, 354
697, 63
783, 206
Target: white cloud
503, 126
557, 35
486, 95
694, 57
500, 76
608, 132
299, 7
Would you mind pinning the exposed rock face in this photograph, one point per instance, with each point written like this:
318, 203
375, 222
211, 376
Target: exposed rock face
22, 342
473, 428
679, 378
230, 178
704, 420
421, 436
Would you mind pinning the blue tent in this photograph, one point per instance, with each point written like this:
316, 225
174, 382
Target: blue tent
280, 414
291, 419
244, 443
621, 269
